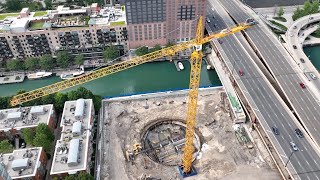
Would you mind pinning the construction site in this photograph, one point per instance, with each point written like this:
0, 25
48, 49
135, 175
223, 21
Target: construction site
144, 136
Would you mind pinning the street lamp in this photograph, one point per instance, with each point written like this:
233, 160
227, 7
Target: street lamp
289, 159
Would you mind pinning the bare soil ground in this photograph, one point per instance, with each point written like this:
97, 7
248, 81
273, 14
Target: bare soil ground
221, 157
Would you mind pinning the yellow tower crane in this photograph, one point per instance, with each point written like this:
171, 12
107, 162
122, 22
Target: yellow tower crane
196, 61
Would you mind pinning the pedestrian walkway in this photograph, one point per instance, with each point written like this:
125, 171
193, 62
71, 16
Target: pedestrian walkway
223, 74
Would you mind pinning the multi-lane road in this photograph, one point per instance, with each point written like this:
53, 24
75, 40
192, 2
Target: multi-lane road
278, 60
268, 106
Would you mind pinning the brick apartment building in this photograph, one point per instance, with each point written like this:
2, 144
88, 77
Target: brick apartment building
152, 22
87, 30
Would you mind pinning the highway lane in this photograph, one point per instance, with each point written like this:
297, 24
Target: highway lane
273, 112
277, 59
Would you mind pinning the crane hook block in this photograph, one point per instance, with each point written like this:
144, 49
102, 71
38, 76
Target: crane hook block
198, 47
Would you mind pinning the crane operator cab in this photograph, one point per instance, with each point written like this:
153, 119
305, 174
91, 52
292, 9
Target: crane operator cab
251, 21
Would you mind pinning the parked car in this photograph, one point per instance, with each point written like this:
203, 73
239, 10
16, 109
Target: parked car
302, 60
219, 41
302, 85
294, 146
208, 20
294, 47
294, 27
299, 133
314, 77
275, 130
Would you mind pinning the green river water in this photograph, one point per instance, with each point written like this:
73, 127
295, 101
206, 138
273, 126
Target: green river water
314, 55
150, 77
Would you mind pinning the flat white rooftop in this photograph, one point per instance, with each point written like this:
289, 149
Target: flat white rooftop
71, 151
25, 117
22, 163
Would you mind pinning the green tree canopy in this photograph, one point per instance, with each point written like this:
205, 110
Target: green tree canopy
111, 53
315, 7
79, 59
15, 64
13, 5
80, 176
44, 137
81, 92
6, 147
64, 59
46, 62
31, 63
4, 102
48, 4
155, 48
280, 12
28, 135
307, 8
59, 100
49, 99
142, 51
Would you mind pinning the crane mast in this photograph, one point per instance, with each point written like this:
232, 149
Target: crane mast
195, 61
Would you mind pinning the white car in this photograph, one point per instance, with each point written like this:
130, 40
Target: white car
208, 20
314, 77
291, 35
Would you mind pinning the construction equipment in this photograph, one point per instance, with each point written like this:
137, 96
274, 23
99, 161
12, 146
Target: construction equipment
196, 62
145, 177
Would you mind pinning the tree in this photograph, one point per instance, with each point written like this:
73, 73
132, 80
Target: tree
63, 59
142, 51
155, 48
4, 102
97, 102
298, 13
44, 137
59, 99
28, 135
48, 4
80, 176
48, 99
111, 53
315, 7
79, 59
13, 5
6, 147
46, 62
307, 8
280, 12
81, 92
31, 63
15, 64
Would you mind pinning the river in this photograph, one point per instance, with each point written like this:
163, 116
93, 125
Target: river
314, 55
150, 77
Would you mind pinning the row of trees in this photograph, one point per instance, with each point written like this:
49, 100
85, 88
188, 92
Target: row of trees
63, 60
6, 147
45, 62
308, 8
41, 136
145, 50
57, 99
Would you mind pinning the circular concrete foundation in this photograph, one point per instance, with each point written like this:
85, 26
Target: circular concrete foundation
163, 141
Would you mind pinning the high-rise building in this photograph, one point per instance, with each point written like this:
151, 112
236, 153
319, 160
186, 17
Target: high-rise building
152, 22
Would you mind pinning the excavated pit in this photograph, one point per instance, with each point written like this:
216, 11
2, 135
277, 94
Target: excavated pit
163, 141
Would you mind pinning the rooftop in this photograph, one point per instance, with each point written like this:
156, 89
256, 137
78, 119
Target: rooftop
21, 163
25, 117
71, 151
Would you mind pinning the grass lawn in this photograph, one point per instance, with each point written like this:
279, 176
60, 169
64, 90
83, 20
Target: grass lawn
3, 16
279, 25
117, 23
282, 19
40, 13
36, 25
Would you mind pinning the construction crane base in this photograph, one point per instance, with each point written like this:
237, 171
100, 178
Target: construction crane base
192, 172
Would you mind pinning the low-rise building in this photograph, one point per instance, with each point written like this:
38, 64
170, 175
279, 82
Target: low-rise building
87, 30
15, 119
27, 163
73, 151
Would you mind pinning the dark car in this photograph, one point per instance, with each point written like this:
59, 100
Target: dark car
219, 41
302, 85
299, 133
275, 131
241, 72
302, 60
294, 47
